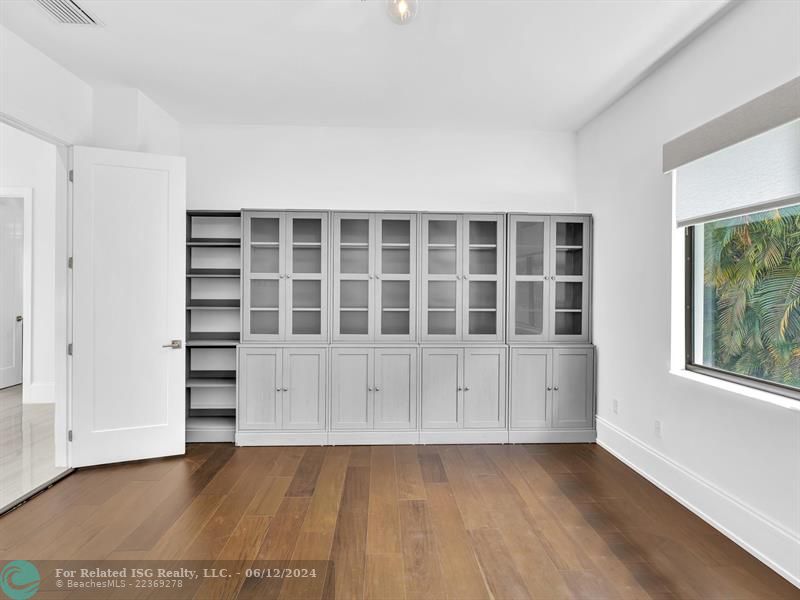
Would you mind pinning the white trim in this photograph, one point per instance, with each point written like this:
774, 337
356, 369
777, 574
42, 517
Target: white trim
26, 195
40, 393
280, 438
552, 436
464, 436
738, 388
372, 437
769, 541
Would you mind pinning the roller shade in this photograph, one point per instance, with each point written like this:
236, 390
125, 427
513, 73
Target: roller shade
743, 161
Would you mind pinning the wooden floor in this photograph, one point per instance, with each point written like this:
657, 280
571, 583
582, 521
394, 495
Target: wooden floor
428, 522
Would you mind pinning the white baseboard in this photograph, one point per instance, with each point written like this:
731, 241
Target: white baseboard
375, 438
281, 438
464, 436
768, 541
39, 393
567, 436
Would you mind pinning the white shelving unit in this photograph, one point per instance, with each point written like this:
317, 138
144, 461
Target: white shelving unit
213, 302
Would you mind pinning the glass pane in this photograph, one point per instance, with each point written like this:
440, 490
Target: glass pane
482, 322
264, 322
354, 322
569, 234
530, 248
264, 260
395, 322
306, 260
747, 291
529, 317
354, 294
442, 232
396, 261
483, 261
442, 322
355, 231
265, 230
306, 322
442, 261
395, 294
354, 260
483, 294
482, 232
307, 231
396, 232
569, 261
441, 294
306, 294
264, 293
568, 323
569, 294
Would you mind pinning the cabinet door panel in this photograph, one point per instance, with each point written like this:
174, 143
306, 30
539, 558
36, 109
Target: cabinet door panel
484, 388
395, 277
531, 376
483, 276
570, 239
353, 269
306, 276
305, 384
263, 283
441, 383
395, 388
351, 388
441, 294
573, 381
529, 278
260, 372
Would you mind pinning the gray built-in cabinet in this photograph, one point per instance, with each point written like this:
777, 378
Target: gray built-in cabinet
397, 327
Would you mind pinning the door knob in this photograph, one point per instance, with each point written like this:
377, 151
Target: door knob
19, 318
174, 344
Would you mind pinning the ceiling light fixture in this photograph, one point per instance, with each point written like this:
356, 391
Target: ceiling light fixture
402, 11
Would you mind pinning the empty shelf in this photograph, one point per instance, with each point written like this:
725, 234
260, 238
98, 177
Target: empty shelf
210, 382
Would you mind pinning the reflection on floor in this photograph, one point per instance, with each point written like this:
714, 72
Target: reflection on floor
27, 449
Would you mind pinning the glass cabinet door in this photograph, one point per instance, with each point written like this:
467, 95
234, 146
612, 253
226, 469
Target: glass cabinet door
306, 275
569, 289
483, 277
352, 271
395, 276
441, 277
263, 253
528, 272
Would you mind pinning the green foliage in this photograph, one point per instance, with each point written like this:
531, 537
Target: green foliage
752, 272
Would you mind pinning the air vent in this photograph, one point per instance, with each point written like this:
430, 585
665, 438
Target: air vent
67, 12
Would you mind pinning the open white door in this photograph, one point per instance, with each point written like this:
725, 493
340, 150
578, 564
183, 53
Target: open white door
11, 285
128, 306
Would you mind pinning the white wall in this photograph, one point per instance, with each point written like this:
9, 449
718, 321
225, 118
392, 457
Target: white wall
26, 161
39, 92
379, 169
731, 457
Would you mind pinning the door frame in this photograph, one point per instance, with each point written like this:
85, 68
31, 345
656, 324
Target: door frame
26, 195
63, 295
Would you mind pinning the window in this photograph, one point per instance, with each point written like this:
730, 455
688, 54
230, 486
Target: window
743, 299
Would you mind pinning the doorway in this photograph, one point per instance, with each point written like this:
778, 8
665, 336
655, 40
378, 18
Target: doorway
32, 406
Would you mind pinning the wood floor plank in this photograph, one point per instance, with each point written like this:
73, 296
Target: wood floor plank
549, 522
383, 520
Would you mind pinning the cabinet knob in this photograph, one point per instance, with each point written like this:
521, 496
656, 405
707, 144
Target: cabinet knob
377, 389
285, 389
549, 389
556, 388
458, 276
370, 276
465, 278
466, 388
369, 388
280, 276
288, 276
459, 388
377, 276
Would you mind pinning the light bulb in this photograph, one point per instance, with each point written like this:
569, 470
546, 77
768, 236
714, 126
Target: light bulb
402, 11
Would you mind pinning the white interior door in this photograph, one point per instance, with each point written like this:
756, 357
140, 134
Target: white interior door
128, 306
11, 285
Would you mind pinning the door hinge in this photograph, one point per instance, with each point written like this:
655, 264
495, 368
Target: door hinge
69, 435
71, 176
69, 349
70, 262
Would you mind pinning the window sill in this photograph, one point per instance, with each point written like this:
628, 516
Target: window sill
741, 390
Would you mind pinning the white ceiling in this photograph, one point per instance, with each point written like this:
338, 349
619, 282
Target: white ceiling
475, 63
